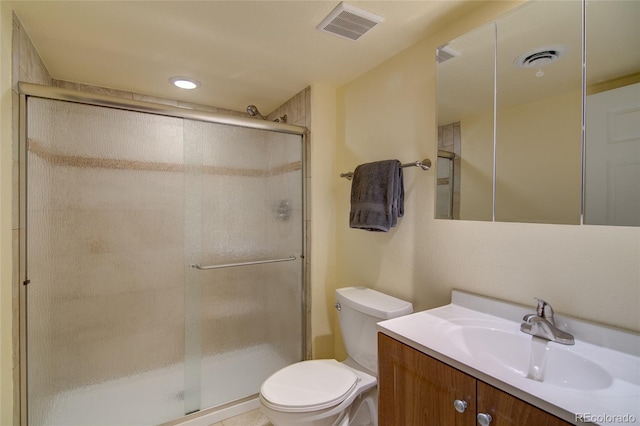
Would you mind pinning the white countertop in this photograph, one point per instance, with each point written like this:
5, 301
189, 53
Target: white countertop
608, 393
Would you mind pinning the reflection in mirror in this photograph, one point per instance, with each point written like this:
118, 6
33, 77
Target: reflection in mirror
527, 164
465, 82
612, 130
538, 114
446, 187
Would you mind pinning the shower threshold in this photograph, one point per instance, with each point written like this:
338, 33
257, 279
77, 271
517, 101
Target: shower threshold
156, 396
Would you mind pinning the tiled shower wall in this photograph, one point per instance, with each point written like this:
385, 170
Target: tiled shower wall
28, 67
298, 112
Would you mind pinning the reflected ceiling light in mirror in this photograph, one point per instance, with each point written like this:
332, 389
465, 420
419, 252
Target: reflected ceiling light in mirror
540, 57
184, 82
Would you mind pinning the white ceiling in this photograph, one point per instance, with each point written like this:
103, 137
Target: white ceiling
242, 52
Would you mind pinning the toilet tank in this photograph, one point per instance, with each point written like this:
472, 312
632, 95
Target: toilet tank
360, 309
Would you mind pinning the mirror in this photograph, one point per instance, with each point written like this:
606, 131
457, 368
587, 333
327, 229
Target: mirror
538, 114
612, 116
518, 156
465, 76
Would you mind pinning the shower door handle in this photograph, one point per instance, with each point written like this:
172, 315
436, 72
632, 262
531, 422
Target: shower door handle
231, 265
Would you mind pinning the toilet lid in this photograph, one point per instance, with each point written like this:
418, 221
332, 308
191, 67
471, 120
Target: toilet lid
309, 385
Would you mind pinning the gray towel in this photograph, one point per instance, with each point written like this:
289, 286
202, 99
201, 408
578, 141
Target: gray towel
377, 196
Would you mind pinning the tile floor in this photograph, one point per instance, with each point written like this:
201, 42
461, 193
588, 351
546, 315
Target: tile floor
251, 418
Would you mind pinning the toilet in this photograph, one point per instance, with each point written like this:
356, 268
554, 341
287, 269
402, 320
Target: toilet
327, 392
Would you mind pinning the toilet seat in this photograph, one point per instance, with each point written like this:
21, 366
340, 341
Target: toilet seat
309, 386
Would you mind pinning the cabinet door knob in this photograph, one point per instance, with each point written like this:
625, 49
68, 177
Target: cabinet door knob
460, 405
484, 419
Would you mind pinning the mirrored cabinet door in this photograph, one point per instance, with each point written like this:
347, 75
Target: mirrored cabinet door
612, 125
538, 114
465, 86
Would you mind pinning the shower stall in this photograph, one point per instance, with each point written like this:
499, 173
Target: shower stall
162, 258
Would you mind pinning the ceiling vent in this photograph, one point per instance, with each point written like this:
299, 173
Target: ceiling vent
540, 57
445, 52
349, 22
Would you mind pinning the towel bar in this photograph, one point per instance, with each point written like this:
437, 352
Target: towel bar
231, 265
424, 165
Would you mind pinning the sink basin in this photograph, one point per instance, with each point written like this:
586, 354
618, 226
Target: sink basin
532, 358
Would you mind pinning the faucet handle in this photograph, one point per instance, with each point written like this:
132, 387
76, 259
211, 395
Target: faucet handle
544, 309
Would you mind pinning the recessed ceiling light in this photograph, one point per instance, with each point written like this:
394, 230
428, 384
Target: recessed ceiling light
184, 82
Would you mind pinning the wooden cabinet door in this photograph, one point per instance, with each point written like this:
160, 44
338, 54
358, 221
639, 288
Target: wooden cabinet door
508, 410
417, 390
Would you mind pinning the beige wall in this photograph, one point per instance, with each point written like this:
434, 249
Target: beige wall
322, 227
6, 232
529, 161
476, 164
539, 161
590, 272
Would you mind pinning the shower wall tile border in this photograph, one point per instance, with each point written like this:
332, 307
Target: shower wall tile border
120, 164
96, 162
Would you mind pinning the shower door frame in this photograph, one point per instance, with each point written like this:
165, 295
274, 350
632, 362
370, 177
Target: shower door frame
26, 90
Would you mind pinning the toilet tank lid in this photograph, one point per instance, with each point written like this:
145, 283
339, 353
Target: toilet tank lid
373, 302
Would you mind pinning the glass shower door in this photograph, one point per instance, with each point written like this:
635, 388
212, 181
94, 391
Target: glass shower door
244, 273
105, 313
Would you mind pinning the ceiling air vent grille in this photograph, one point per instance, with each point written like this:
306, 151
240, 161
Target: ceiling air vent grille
540, 57
445, 52
349, 22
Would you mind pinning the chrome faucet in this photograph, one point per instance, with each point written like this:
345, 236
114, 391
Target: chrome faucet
542, 324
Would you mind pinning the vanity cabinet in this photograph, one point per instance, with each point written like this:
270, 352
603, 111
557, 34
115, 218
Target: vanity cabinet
418, 390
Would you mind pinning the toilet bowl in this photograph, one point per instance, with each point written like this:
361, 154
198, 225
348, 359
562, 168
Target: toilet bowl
317, 392
327, 392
